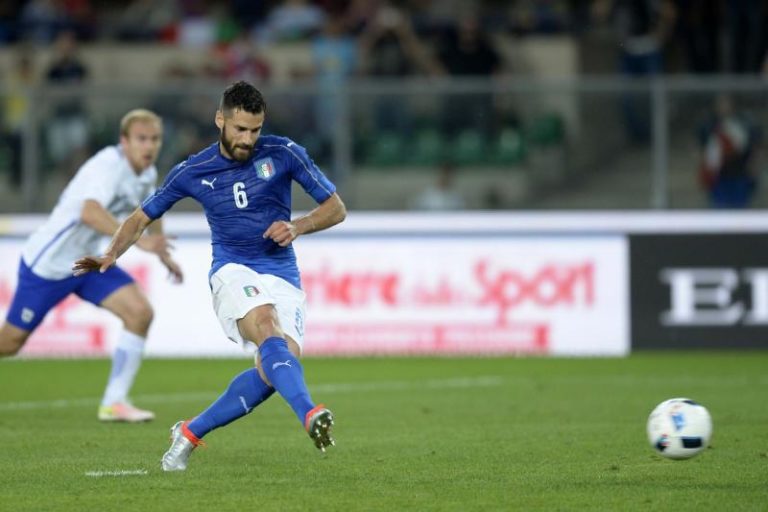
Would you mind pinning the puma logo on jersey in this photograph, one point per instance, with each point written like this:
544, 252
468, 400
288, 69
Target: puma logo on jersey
209, 183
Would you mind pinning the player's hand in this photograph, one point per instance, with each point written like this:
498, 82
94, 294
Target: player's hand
282, 233
155, 243
174, 270
92, 264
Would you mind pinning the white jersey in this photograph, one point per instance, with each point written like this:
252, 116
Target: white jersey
107, 178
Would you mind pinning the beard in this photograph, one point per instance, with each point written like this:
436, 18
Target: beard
232, 149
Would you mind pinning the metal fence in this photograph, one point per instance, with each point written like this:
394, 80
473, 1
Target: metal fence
590, 143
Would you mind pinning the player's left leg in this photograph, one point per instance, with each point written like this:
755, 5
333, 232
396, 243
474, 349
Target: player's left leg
116, 292
246, 391
12, 339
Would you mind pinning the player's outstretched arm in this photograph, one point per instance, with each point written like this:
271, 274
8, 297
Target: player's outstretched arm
329, 213
125, 236
98, 218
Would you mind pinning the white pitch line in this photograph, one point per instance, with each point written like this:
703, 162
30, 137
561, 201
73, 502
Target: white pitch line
121, 472
346, 387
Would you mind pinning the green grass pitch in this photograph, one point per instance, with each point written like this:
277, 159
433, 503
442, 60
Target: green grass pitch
412, 434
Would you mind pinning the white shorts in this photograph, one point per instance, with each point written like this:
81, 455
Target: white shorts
236, 289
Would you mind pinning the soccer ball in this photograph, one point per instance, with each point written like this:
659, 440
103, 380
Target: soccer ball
679, 428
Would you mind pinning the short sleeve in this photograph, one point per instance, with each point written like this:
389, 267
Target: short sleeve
308, 175
98, 179
171, 191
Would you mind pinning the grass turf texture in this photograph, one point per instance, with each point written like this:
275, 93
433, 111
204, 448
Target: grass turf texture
412, 434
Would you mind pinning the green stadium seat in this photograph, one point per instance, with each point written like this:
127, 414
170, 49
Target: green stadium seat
468, 148
385, 149
546, 130
427, 148
510, 147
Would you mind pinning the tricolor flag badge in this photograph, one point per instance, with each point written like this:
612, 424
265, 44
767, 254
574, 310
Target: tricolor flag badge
250, 291
265, 168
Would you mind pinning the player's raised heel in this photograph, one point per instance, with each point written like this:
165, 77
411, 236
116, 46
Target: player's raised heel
318, 423
124, 412
175, 459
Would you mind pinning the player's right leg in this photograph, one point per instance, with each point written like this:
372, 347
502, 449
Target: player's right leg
115, 291
278, 364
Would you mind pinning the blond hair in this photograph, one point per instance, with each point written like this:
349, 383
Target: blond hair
139, 115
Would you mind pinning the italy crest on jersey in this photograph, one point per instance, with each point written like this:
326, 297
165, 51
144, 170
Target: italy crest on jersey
265, 168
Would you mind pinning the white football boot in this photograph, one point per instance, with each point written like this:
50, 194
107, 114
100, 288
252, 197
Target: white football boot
124, 412
175, 459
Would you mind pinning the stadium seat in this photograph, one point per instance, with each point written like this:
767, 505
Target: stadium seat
468, 148
546, 130
385, 149
509, 148
427, 148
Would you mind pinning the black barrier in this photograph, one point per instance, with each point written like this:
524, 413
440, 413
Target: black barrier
699, 291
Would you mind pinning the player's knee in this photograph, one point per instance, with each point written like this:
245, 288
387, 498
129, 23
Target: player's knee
260, 324
139, 316
267, 329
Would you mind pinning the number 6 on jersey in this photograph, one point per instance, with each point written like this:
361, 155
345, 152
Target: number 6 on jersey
241, 199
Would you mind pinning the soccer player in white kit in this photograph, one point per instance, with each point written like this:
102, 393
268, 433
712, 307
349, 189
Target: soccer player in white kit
108, 186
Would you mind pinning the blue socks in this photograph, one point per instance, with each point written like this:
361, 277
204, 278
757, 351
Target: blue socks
248, 390
286, 375
244, 393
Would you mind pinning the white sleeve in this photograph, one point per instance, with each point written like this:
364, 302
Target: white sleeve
98, 178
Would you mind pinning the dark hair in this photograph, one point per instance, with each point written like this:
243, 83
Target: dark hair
244, 96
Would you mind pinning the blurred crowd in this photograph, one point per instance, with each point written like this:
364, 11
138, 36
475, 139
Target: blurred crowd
698, 36
366, 38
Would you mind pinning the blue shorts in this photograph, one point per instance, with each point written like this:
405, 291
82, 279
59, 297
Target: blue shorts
35, 296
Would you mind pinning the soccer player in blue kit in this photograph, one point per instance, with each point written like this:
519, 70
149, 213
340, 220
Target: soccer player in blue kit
243, 182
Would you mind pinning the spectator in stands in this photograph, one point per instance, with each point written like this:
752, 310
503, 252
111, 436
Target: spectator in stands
698, 30
466, 51
390, 48
292, 20
248, 13
540, 17
334, 61
745, 24
42, 20
147, 20
642, 28
242, 60
68, 126
9, 21
728, 140
18, 82
442, 195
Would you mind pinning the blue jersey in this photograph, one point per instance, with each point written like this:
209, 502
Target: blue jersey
242, 199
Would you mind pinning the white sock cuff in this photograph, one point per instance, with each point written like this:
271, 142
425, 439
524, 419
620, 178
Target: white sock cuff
130, 342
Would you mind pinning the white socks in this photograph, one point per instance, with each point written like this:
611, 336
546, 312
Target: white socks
125, 364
